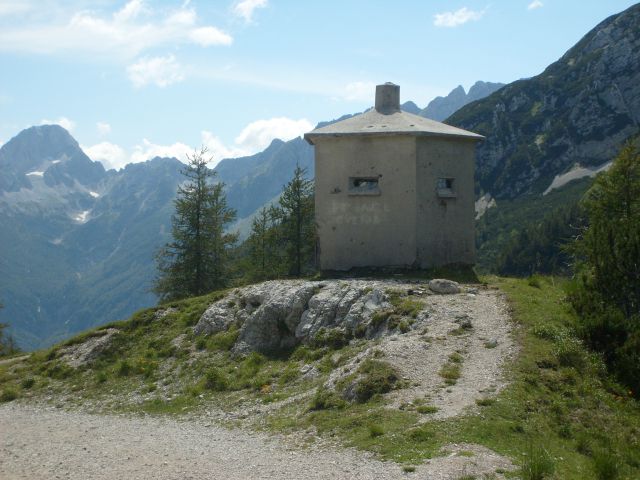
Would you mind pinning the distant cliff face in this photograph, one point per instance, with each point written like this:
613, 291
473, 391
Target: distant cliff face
579, 110
441, 107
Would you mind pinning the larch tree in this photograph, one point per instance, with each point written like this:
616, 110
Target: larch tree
195, 261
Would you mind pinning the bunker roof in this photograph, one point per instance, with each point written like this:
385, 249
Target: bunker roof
387, 119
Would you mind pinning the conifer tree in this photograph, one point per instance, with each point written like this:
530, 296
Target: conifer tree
264, 247
298, 223
196, 260
606, 294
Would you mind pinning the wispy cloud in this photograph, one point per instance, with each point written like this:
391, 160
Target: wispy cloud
535, 4
160, 71
64, 122
245, 8
128, 32
259, 134
109, 154
255, 137
459, 17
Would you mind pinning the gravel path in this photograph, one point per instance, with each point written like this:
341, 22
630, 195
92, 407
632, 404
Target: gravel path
37, 443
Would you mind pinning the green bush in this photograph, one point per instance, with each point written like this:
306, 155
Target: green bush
376, 377
8, 394
123, 368
375, 431
326, 400
570, 353
27, 383
215, 380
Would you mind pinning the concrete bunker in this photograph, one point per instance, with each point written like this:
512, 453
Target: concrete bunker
393, 189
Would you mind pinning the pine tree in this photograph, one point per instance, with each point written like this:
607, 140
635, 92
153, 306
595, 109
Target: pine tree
264, 248
606, 294
297, 222
195, 261
610, 246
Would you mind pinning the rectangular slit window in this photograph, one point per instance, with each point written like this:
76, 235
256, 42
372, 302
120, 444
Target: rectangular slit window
445, 188
364, 186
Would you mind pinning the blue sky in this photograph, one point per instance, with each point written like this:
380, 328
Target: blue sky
134, 79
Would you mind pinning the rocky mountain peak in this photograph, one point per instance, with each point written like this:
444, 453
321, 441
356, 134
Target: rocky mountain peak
581, 109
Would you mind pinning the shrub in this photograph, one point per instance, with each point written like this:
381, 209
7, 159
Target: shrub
101, 376
537, 464
375, 377
8, 394
375, 431
326, 400
215, 380
485, 402
570, 353
535, 281
27, 383
123, 368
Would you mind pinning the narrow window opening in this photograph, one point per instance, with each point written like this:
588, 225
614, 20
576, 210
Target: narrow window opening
445, 187
364, 186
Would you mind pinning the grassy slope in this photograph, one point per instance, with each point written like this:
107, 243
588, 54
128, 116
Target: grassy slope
559, 397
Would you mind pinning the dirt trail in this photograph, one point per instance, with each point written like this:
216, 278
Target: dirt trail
37, 443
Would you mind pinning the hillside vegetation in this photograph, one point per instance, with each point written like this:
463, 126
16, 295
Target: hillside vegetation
560, 413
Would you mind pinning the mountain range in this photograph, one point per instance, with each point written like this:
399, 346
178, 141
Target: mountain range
77, 241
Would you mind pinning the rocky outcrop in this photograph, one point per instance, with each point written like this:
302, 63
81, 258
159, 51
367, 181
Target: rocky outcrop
278, 315
85, 353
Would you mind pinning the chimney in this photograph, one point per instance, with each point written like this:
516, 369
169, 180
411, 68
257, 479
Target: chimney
387, 98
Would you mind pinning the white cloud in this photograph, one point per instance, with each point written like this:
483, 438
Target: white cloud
459, 17
245, 8
126, 33
103, 128
64, 122
259, 134
207, 36
359, 91
161, 71
253, 138
130, 11
535, 4
111, 155
149, 150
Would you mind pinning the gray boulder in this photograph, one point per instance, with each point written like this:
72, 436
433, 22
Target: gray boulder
444, 286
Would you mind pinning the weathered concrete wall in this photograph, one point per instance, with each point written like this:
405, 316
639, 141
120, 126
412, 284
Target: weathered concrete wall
366, 230
408, 224
445, 225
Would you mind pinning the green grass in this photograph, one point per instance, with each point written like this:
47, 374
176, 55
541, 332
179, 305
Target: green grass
559, 395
